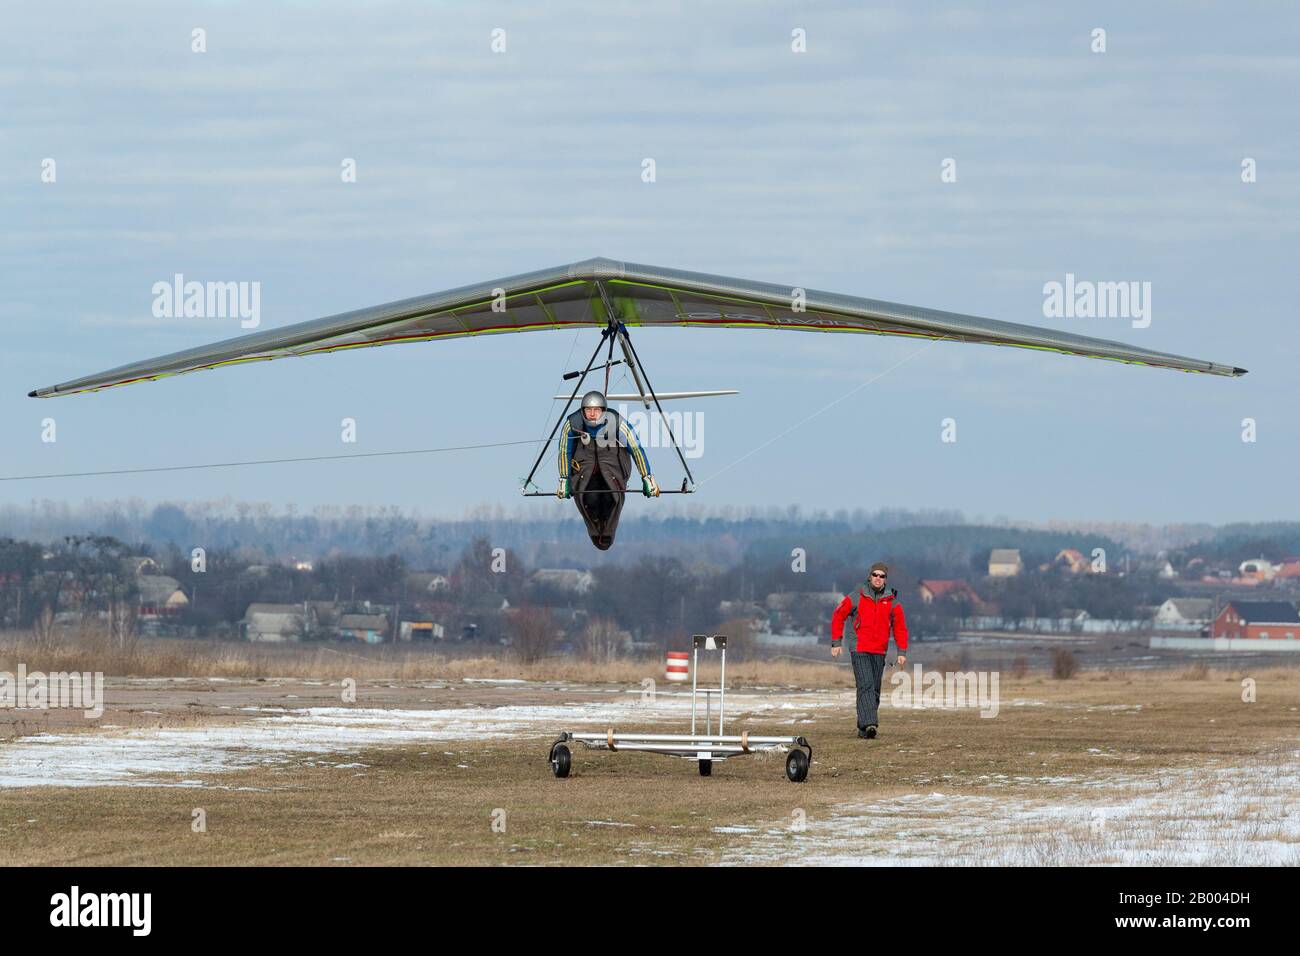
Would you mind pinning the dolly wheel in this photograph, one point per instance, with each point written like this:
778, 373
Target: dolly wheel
796, 766
561, 760
706, 768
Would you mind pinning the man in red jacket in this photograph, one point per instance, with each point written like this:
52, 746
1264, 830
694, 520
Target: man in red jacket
878, 614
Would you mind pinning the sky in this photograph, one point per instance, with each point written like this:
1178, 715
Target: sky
822, 168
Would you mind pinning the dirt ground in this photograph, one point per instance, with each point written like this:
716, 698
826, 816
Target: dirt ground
1108, 767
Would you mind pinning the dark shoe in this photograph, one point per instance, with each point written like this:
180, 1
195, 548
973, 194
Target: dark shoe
862, 733
871, 732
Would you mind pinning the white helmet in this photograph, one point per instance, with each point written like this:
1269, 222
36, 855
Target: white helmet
594, 399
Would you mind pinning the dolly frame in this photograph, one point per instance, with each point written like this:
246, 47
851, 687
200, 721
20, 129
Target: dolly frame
703, 748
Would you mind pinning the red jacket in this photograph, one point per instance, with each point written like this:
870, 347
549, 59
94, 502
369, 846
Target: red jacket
876, 617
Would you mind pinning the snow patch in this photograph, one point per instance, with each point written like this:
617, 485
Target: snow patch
147, 756
1216, 815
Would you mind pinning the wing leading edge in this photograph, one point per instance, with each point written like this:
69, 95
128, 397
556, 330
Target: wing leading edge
649, 296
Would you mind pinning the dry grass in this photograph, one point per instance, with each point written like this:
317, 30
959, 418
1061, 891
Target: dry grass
182, 658
954, 662
1197, 670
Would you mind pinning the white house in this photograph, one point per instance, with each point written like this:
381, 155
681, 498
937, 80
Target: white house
1183, 611
565, 579
1005, 563
1260, 568
427, 582
274, 622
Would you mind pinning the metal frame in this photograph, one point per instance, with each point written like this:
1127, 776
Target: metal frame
706, 747
614, 330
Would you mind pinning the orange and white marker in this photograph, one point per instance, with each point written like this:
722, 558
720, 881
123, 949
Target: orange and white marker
678, 666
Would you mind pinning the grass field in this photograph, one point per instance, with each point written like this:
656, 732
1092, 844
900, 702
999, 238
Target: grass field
1169, 766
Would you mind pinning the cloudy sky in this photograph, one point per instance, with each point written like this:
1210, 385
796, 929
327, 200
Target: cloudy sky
819, 169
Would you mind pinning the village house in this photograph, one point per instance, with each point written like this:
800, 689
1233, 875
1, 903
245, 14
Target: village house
370, 628
137, 564
1160, 567
322, 614
794, 611
1265, 620
1005, 563
1257, 569
741, 610
779, 601
160, 596
1288, 572
277, 623
1184, 612
420, 630
424, 584
931, 590
1072, 561
564, 579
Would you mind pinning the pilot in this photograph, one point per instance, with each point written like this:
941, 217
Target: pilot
597, 449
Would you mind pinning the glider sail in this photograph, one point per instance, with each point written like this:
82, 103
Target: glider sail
646, 296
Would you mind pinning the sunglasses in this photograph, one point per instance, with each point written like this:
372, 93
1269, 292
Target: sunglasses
877, 574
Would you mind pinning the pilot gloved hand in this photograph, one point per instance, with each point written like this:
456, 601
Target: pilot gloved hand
563, 490
650, 487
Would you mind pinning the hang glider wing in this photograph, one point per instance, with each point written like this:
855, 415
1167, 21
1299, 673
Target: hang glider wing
648, 296
662, 396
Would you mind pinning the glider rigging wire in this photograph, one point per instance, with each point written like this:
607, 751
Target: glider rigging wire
268, 461
799, 424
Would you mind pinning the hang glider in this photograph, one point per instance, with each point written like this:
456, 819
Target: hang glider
581, 295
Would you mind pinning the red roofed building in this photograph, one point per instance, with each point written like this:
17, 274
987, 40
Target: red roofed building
933, 590
1073, 561
1266, 620
1288, 570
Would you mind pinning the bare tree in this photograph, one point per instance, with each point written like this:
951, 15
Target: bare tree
739, 632
603, 640
122, 619
43, 630
532, 632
